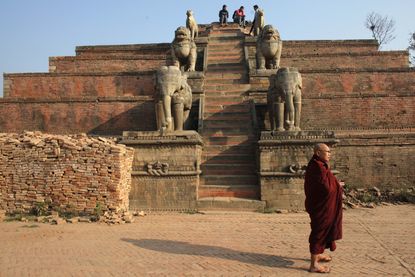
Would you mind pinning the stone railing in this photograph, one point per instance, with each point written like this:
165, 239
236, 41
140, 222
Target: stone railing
65, 173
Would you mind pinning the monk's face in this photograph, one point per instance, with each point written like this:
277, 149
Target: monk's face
324, 153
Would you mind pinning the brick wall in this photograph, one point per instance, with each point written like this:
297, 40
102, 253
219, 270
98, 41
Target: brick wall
375, 158
96, 51
300, 47
119, 64
70, 173
67, 103
358, 112
350, 99
94, 116
325, 54
345, 82
72, 85
381, 60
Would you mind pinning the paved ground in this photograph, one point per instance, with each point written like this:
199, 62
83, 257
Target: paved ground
377, 242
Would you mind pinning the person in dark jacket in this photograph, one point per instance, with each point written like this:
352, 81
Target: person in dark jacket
324, 205
223, 16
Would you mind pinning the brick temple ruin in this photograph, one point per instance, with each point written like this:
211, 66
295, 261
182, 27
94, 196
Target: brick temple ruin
359, 100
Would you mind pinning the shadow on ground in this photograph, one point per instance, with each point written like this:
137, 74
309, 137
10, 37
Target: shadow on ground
185, 248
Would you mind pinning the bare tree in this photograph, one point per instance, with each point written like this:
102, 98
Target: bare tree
411, 49
382, 28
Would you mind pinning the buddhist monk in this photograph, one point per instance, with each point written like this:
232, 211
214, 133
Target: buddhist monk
324, 205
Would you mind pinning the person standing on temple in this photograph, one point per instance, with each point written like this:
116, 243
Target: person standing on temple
259, 22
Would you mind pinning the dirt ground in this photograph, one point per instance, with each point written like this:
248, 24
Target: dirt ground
377, 242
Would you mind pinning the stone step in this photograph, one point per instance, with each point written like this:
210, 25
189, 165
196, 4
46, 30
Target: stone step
213, 102
223, 75
227, 124
226, 92
227, 116
230, 204
230, 28
225, 158
231, 69
226, 67
226, 34
221, 81
226, 49
250, 180
217, 61
225, 190
211, 150
227, 131
215, 93
230, 140
224, 54
225, 40
226, 87
240, 191
231, 168
227, 109
214, 98
232, 119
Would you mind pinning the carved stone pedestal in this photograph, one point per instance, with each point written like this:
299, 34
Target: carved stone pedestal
283, 157
166, 169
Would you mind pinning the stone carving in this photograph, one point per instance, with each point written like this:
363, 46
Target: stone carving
284, 100
297, 169
268, 48
192, 25
157, 168
259, 22
183, 49
173, 99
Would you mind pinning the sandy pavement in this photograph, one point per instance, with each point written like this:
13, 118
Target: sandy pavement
377, 242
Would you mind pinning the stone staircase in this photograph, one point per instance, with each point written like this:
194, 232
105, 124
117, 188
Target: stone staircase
229, 178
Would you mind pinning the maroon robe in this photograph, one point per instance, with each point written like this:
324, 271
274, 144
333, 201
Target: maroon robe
324, 205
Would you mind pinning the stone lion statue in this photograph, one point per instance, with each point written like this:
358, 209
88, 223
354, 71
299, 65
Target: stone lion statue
268, 48
183, 49
192, 25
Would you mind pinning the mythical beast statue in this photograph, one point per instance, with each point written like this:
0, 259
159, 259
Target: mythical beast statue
173, 99
268, 48
192, 25
183, 49
284, 100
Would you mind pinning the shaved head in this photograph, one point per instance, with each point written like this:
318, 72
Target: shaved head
322, 151
319, 146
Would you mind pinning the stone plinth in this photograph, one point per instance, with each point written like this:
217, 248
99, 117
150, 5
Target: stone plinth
283, 157
166, 169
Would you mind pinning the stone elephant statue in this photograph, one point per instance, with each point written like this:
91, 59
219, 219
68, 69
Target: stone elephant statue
284, 100
183, 49
173, 99
268, 48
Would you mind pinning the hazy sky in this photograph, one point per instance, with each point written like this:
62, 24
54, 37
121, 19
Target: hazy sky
33, 30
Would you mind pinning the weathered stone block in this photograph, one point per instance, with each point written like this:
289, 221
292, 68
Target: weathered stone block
166, 169
283, 157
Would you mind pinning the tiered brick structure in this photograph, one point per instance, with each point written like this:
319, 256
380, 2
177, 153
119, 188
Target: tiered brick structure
365, 96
